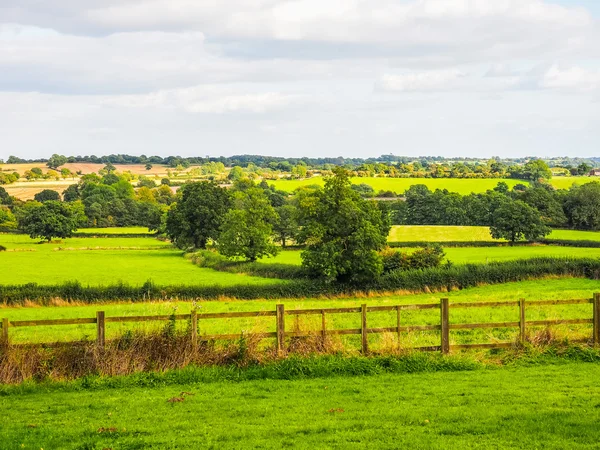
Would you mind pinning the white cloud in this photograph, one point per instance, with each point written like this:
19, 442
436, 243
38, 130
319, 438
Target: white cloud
571, 79
438, 80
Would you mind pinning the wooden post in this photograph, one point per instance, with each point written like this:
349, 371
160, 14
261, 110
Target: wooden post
5, 331
363, 329
280, 328
323, 327
194, 326
522, 321
596, 319
445, 321
100, 329
398, 323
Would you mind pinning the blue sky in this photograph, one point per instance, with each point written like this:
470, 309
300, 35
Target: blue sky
300, 77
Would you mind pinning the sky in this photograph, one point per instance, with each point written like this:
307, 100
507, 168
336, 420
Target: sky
352, 78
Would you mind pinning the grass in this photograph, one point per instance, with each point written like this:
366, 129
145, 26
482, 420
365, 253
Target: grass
565, 288
104, 261
437, 233
464, 255
567, 182
550, 406
115, 230
399, 185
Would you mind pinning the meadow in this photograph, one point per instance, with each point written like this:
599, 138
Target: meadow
472, 255
399, 185
429, 233
548, 289
106, 261
553, 406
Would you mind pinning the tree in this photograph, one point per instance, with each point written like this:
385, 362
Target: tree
71, 193
50, 220
56, 161
286, 225
582, 206
537, 170
148, 166
47, 195
247, 228
109, 168
197, 214
343, 232
236, 173
516, 220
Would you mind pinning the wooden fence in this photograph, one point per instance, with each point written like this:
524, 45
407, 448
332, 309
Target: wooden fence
280, 314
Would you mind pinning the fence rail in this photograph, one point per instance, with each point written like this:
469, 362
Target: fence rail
280, 313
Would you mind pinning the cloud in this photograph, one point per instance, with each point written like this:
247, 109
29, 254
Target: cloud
439, 80
571, 79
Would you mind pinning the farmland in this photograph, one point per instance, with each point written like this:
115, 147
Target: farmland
553, 404
423, 233
399, 185
103, 261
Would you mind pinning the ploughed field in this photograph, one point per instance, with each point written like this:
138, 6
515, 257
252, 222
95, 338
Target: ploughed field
549, 406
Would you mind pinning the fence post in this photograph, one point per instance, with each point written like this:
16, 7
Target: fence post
194, 326
100, 329
363, 329
398, 323
445, 321
5, 331
522, 321
323, 327
280, 328
596, 319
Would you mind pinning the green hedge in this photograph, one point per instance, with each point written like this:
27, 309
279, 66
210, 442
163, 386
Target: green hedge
452, 277
447, 244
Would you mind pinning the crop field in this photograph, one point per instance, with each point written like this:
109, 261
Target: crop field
399, 185
465, 255
550, 406
567, 182
427, 233
550, 289
24, 190
106, 261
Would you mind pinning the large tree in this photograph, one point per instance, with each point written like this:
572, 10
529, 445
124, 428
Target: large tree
247, 229
50, 219
343, 232
46, 195
516, 220
198, 214
582, 206
56, 161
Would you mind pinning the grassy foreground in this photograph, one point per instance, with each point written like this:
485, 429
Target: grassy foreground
550, 406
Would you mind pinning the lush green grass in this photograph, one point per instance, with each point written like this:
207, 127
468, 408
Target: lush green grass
106, 261
115, 230
436, 233
549, 406
463, 255
567, 182
399, 185
530, 290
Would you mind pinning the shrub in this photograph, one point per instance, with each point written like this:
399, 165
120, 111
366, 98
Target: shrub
427, 257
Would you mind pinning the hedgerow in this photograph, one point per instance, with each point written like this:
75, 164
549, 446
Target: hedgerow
443, 278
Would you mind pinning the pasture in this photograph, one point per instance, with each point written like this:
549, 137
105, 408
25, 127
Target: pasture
549, 406
106, 261
567, 182
549, 289
473, 255
429, 233
399, 185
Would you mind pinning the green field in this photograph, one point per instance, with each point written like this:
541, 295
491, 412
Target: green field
115, 230
399, 185
566, 288
567, 182
465, 255
433, 233
550, 406
106, 261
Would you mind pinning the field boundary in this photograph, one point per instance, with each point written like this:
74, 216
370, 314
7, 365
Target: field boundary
281, 334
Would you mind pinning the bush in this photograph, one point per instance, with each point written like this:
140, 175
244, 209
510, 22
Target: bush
428, 257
